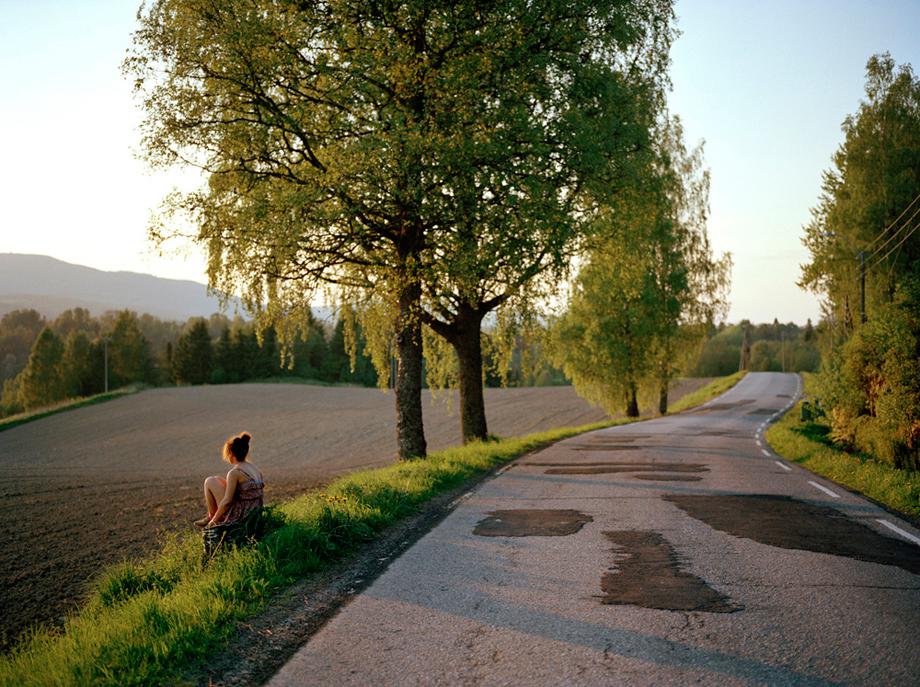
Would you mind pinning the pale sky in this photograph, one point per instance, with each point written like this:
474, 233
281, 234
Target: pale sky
766, 84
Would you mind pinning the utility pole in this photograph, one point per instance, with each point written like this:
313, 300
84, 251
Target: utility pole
862, 286
782, 348
105, 355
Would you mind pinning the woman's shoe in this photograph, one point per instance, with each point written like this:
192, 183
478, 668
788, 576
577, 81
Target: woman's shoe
203, 522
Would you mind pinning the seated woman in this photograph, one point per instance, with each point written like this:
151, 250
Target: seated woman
232, 498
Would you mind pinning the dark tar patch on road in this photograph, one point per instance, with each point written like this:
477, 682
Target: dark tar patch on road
647, 573
531, 523
669, 478
605, 447
788, 523
614, 468
762, 411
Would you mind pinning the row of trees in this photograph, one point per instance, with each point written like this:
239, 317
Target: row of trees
69, 359
865, 263
66, 357
239, 354
430, 163
776, 347
48, 361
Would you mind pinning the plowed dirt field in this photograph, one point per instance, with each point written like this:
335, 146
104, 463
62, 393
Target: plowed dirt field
85, 488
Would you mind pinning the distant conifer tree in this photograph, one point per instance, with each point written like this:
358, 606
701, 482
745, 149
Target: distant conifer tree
193, 357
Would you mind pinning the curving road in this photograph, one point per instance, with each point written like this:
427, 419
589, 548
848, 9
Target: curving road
674, 551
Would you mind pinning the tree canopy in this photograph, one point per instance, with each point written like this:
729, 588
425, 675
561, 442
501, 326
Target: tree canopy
869, 200
865, 248
649, 286
418, 150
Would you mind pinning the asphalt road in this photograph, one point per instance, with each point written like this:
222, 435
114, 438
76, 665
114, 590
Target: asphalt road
673, 551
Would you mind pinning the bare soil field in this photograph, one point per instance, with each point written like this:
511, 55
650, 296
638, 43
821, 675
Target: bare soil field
92, 486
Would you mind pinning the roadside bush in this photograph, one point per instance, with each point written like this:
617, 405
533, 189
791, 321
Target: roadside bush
872, 385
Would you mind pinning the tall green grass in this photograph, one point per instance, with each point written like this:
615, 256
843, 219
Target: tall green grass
808, 444
149, 622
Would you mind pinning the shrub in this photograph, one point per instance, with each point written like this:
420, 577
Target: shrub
872, 385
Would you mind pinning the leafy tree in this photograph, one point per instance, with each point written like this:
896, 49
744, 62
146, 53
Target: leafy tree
345, 142
129, 354
42, 382
18, 331
602, 341
537, 179
75, 320
874, 178
690, 282
10, 403
867, 215
77, 363
649, 288
193, 357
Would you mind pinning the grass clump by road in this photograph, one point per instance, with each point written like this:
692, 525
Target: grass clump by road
72, 404
808, 444
153, 621
717, 386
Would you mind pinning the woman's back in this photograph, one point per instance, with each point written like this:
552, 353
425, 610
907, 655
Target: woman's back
249, 494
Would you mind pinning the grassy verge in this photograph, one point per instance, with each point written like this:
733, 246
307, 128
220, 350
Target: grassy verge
807, 444
710, 391
150, 621
23, 418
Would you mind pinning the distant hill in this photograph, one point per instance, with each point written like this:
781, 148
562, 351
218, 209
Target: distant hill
52, 286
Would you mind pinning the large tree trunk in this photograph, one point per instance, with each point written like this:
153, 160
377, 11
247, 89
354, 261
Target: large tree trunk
467, 343
663, 398
410, 432
632, 401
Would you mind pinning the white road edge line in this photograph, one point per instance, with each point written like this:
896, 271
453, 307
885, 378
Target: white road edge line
824, 489
759, 444
783, 466
907, 535
460, 499
765, 452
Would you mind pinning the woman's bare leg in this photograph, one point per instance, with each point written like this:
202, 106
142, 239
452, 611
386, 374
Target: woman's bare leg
214, 488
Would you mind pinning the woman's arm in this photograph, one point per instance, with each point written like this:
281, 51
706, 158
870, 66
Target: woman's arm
232, 480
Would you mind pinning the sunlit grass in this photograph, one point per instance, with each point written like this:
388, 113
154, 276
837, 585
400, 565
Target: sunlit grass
807, 444
152, 621
714, 388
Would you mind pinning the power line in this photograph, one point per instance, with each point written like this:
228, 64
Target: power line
906, 236
895, 234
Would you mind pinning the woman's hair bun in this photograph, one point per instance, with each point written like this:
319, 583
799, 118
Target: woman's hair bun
245, 437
